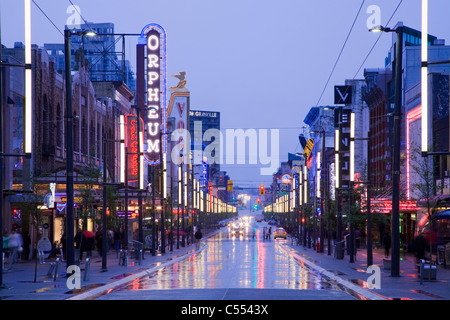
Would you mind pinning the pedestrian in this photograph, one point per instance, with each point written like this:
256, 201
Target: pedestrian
15, 246
264, 232
64, 245
387, 243
80, 244
117, 241
26, 245
99, 238
269, 233
6, 245
110, 234
198, 237
420, 244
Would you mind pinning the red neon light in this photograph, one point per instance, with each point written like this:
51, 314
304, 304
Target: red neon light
132, 143
385, 205
412, 116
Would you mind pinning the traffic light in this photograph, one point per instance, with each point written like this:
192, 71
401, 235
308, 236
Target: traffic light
258, 200
261, 190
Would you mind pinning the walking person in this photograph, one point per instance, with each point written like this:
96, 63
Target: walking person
420, 244
26, 246
117, 241
198, 237
5, 248
387, 243
269, 233
15, 246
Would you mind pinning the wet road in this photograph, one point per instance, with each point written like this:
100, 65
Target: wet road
234, 268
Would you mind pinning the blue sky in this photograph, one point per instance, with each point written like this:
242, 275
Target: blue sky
262, 64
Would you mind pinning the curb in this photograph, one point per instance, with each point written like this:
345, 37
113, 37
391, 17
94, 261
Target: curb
350, 286
94, 293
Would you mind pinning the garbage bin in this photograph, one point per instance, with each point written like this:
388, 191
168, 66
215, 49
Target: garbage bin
339, 247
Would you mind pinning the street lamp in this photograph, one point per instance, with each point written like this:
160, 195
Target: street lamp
69, 143
321, 187
395, 223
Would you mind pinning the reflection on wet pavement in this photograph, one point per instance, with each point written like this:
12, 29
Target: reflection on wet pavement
229, 261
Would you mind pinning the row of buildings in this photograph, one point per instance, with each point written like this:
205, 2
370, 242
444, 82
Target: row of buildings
372, 101
103, 89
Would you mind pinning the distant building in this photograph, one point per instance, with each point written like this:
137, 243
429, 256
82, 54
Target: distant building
95, 118
321, 125
379, 94
199, 122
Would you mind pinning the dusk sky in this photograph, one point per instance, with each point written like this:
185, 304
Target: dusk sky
261, 64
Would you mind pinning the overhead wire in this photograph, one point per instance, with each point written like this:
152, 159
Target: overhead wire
376, 41
48, 18
340, 53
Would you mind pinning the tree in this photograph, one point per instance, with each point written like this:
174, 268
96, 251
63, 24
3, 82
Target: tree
31, 205
90, 177
423, 182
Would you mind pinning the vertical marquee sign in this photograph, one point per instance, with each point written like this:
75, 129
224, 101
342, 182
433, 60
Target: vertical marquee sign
151, 79
342, 122
132, 143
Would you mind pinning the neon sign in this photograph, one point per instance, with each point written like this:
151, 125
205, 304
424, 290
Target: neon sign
132, 143
155, 66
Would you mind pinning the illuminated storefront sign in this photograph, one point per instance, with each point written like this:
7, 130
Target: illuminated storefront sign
155, 89
132, 143
342, 148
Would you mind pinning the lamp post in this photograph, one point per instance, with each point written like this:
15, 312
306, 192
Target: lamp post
69, 143
69, 150
104, 222
322, 188
395, 223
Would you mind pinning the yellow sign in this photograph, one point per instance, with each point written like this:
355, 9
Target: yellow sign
230, 185
308, 149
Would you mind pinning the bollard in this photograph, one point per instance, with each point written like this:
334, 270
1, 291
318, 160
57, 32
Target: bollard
120, 256
123, 257
50, 270
58, 261
125, 260
87, 268
422, 262
140, 257
77, 256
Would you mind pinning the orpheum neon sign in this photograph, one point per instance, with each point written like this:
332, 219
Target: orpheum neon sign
155, 119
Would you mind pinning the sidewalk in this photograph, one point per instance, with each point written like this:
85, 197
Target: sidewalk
19, 281
354, 276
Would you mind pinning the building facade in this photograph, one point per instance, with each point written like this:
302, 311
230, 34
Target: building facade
95, 118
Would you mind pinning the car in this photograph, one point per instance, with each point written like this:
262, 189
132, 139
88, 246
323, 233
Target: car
279, 233
258, 220
237, 231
